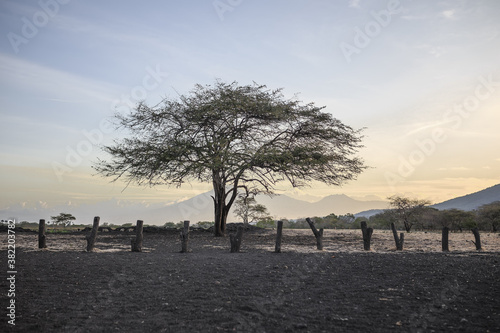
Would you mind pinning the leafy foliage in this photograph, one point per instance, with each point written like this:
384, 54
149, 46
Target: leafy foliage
236, 137
247, 208
489, 215
63, 218
407, 210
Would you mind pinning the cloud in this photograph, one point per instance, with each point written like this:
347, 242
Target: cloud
29, 75
437, 51
454, 169
414, 17
354, 3
449, 14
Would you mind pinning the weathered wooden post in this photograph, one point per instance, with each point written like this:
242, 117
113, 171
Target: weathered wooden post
236, 239
475, 231
279, 234
317, 234
93, 234
185, 237
367, 235
399, 240
41, 235
137, 242
444, 239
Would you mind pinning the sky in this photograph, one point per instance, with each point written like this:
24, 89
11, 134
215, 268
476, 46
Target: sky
421, 77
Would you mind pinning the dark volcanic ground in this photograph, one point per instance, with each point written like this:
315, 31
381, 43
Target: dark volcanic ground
212, 290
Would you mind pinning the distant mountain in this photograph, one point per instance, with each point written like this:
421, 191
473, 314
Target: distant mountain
198, 208
369, 213
472, 201
285, 207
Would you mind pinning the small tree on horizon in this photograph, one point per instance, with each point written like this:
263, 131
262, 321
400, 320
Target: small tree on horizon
237, 138
247, 208
407, 210
63, 218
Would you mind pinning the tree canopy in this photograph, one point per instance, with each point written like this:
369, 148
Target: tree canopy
489, 215
236, 137
249, 210
407, 209
63, 218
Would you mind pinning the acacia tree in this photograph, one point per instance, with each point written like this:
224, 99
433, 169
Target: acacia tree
236, 137
249, 210
62, 218
457, 219
489, 215
407, 209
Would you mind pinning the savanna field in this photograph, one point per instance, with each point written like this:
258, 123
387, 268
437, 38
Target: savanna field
342, 288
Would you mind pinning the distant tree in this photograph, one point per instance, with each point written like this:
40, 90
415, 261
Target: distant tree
63, 218
407, 210
235, 137
489, 215
457, 219
247, 208
266, 223
430, 219
383, 219
332, 221
347, 218
205, 224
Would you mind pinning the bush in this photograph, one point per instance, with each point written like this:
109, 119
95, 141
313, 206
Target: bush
205, 224
266, 223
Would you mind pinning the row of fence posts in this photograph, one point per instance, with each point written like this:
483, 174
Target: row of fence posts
236, 239
368, 232
399, 240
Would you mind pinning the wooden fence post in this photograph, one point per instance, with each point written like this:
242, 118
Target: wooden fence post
317, 234
367, 235
93, 234
279, 234
137, 242
236, 239
185, 237
444, 239
475, 231
399, 240
41, 235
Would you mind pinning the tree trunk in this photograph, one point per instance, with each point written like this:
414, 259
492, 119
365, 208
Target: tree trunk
236, 240
279, 234
408, 225
41, 235
185, 237
399, 240
221, 211
137, 242
317, 234
444, 239
475, 231
220, 219
93, 234
367, 235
